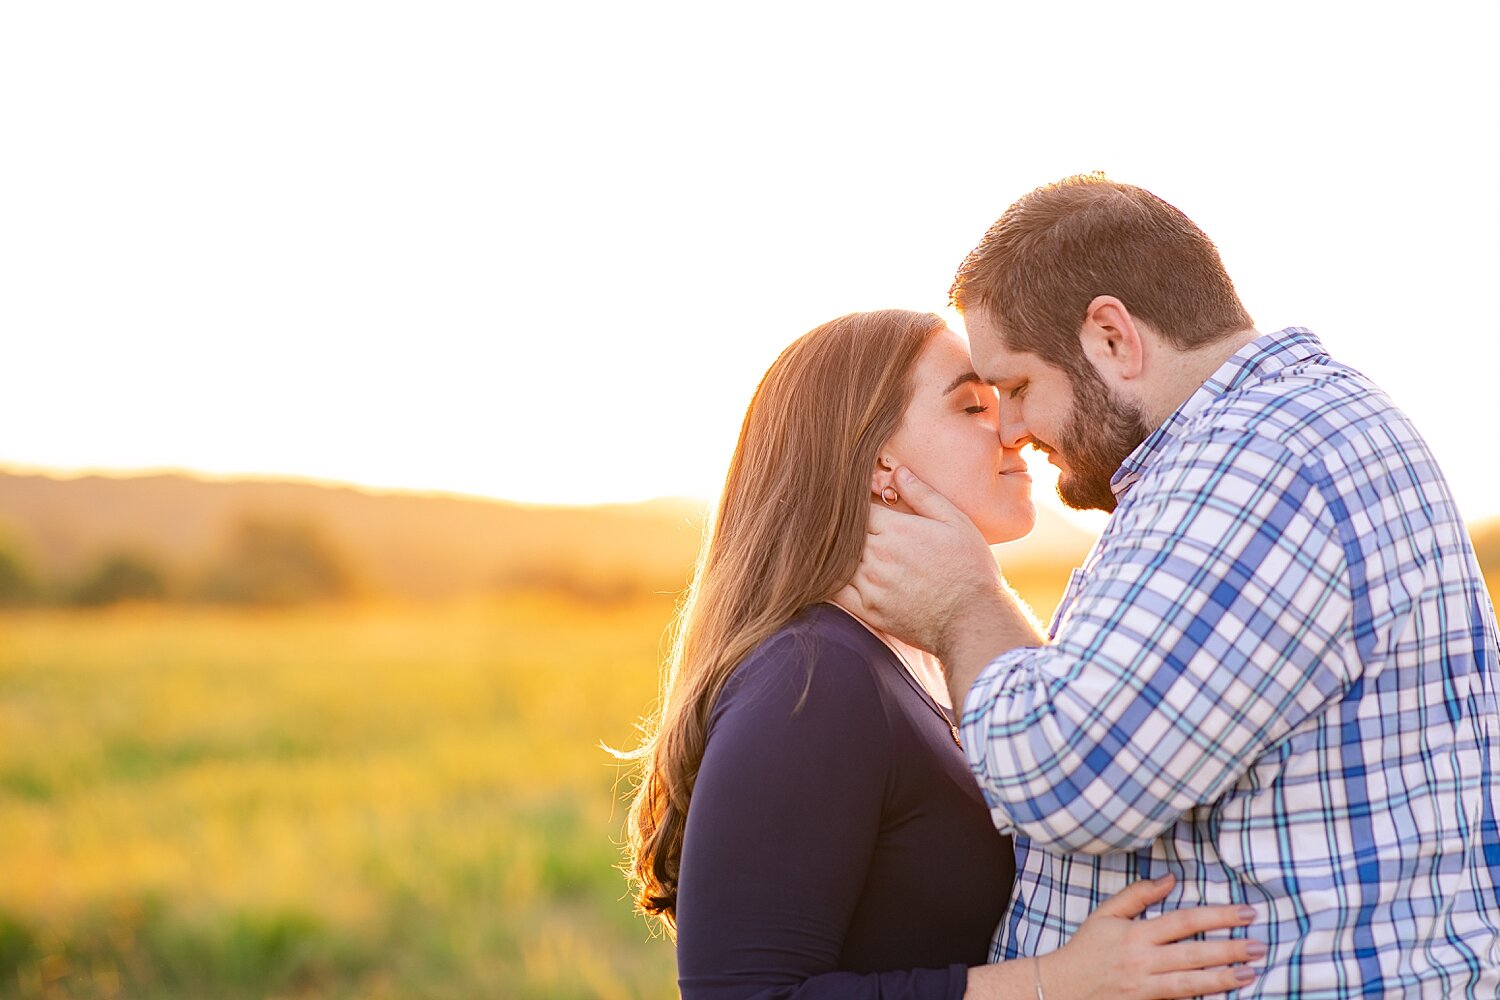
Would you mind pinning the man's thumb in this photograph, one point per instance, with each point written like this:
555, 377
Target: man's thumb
923, 498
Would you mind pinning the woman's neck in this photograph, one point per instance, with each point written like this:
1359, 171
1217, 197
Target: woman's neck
925, 667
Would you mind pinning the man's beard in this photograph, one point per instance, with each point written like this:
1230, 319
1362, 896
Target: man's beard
1100, 435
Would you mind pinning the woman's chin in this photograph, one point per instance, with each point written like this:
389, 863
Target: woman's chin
1016, 525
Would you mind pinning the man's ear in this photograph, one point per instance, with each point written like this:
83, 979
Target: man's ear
1111, 340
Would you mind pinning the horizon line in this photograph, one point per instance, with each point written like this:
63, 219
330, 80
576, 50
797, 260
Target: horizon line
1084, 520
65, 473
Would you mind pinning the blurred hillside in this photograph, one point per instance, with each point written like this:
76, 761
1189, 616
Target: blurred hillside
150, 536
196, 532
97, 539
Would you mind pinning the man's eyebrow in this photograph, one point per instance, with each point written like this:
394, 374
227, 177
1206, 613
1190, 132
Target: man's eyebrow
966, 378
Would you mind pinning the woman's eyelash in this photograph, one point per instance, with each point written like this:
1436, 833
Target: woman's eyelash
976, 409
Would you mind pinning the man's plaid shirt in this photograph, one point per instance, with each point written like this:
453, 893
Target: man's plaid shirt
1275, 677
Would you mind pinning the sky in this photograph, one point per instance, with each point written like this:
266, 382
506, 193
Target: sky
545, 251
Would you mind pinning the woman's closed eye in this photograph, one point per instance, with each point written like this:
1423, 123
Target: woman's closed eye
982, 400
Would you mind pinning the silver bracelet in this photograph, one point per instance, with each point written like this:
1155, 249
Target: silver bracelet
1036, 966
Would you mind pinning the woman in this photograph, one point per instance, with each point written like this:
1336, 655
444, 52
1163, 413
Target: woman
806, 823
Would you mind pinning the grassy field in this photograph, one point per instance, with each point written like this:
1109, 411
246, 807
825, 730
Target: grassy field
361, 801
356, 802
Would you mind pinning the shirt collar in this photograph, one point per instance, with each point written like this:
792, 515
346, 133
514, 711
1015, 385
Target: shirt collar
1261, 358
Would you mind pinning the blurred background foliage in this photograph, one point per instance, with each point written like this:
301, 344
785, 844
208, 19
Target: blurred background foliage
285, 740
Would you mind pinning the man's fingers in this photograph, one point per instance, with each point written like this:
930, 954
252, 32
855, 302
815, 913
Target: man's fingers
849, 597
924, 499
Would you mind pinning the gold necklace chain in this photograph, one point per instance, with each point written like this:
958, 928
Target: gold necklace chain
932, 702
911, 675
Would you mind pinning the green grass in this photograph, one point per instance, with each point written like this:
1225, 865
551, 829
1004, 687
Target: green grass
338, 802
355, 802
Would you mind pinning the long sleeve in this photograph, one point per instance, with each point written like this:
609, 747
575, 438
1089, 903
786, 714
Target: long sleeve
782, 829
1273, 677
1206, 627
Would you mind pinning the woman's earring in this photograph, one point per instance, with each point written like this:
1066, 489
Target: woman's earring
889, 496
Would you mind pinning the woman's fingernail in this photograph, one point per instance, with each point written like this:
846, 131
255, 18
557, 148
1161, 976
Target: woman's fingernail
1256, 949
1162, 880
1246, 913
905, 476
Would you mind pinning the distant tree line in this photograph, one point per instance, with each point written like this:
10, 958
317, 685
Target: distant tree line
269, 561
266, 562
576, 583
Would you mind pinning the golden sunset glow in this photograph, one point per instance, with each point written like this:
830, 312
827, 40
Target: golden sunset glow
545, 254
262, 735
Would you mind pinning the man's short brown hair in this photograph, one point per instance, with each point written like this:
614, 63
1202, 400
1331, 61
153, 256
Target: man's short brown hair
1038, 268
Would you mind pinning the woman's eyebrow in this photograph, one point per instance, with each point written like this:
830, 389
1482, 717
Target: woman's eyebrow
967, 378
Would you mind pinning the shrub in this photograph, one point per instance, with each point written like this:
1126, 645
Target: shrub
17, 584
278, 562
123, 576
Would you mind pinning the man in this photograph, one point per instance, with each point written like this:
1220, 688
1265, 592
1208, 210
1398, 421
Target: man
1275, 675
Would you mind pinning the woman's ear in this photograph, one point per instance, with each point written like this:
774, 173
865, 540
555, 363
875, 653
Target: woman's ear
884, 473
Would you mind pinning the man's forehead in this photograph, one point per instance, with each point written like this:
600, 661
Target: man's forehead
996, 363
983, 332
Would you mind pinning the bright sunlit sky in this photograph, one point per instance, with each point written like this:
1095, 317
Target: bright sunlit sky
544, 251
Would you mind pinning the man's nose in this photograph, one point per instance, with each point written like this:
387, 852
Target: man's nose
1013, 430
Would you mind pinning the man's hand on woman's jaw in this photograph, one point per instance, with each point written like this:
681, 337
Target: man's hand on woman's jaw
929, 578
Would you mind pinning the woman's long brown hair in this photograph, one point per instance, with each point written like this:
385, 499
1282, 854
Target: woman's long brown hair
787, 533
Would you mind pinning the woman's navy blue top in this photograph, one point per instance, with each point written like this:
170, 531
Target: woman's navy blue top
836, 844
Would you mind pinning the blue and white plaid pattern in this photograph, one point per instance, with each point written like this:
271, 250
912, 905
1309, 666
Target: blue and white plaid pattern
1275, 678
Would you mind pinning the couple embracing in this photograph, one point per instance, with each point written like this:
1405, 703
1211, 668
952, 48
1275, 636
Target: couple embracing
1254, 753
